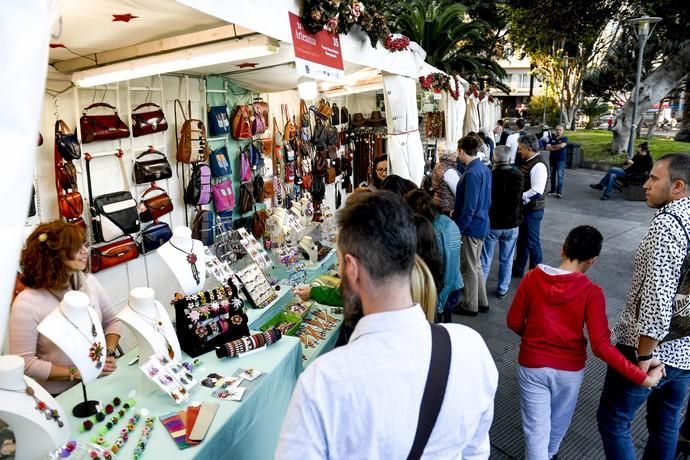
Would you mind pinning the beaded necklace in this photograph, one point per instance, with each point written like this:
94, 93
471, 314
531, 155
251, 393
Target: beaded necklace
191, 260
96, 348
41, 406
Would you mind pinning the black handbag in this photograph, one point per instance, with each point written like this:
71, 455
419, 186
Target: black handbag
154, 236
203, 227
203, 324
113, 214
151, 170
67, 143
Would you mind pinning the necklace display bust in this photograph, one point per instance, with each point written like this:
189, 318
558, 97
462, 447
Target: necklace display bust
75, 328
149, 322
186, 259
35, 434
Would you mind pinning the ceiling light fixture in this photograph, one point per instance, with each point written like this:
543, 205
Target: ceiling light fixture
191, 58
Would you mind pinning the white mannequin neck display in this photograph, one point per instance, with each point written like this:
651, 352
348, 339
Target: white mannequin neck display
175, 253
307, 244
59, 327
149, 322
35, 435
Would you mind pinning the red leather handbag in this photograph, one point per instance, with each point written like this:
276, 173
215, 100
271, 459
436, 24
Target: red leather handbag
148, 122
155, 206
114, 253
102, 127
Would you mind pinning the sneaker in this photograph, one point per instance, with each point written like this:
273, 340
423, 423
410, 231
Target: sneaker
463, 312
501, 295
559, 195
604, 197
596, 186
551, 193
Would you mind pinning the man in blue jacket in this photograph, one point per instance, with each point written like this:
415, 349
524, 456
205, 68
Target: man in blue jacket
472, 202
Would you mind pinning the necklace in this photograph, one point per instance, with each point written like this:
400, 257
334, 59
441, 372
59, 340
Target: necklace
157, 325
191, 260
41, 406
96, 349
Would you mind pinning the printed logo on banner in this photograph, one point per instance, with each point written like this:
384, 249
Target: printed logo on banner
317, 56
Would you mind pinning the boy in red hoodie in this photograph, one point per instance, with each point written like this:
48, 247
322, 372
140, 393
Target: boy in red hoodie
549, 309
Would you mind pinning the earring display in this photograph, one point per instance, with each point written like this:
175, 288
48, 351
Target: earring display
221, 271
169, 376
255, 250
256, 286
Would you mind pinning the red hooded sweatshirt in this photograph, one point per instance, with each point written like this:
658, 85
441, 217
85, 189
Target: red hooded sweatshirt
549, 311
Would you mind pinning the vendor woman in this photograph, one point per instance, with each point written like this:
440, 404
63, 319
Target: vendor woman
53, 262
380, 171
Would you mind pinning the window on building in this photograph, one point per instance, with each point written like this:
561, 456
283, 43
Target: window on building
523, 81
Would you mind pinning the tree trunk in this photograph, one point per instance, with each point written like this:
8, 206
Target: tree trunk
652, 89
655, 123
684, 134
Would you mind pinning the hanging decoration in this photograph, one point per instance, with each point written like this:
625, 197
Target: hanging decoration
338, 17
438, 82
396, 42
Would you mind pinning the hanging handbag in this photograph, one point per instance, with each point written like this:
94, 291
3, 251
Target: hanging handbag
324, 109
151, 170
258, 188
203, 226
112, 254
290, 130
193, 145
67, 175
144, 123
290, 172
220, 165
113, 214
203, 324
338, 198
268, 189
344, 115
259, 223
330, 175
156, 206
218, 122
318, 189
259, 120
320, 138
306, 182
66, 143
70, 204
223, 198
102, 127
245, 165
246, 198
320, 163
335, 117
154, 236
198, 191
241, 124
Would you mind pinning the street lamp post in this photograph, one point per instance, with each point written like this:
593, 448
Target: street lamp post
642, 31
561, 117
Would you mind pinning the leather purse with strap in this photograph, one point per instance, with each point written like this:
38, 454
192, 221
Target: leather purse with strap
154, 236
151, 170
102, 127
150, 122
66, 143
153, 207
434, 389
70, 204
112, 254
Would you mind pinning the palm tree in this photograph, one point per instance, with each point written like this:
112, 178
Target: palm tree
593, 109
452, 42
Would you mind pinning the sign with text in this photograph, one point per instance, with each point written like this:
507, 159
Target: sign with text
317, 56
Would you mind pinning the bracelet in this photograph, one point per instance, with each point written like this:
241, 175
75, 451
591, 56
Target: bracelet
149, 423
644, 357
72, 373
124, 433
100, 416
116, 418
110, 352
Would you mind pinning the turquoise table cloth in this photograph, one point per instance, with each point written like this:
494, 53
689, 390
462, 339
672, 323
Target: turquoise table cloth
247, 429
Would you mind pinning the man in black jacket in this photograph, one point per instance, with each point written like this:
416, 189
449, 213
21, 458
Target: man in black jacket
505, 216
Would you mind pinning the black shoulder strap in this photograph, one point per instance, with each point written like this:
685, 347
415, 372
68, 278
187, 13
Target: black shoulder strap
434, 390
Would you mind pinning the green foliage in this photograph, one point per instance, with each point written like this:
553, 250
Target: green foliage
596, 145
453, 43
593, 109
535, 109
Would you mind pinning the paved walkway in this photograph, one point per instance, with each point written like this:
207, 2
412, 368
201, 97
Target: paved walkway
623, 224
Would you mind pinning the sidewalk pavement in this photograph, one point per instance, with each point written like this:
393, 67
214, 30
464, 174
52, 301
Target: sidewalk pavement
623, 224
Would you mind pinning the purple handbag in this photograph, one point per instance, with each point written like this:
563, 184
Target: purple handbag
223, 198
245, 165
198, 190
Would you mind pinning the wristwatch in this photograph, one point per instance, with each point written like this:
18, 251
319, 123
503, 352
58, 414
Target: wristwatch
644, 357
110, 352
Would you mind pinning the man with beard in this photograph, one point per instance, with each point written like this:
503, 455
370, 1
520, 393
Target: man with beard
399, 388
653, 299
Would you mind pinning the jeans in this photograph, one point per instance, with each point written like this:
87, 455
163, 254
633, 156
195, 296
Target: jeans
507, 238
620, 400
557, 175
470, 266
685, 428
609, 180
528, 242
547, 402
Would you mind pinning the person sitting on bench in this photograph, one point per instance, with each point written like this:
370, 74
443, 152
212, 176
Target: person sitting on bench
634, 171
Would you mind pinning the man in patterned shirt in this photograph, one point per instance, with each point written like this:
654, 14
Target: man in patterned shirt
645, 322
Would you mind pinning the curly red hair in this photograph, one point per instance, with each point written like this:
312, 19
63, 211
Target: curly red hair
47, 248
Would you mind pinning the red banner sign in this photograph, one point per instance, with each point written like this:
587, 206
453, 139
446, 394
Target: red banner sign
317, 55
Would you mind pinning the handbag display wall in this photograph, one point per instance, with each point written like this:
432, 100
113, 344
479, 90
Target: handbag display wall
153, 169
102, 127
203, 324
150, 122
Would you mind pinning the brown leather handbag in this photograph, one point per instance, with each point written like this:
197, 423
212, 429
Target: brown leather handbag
259, 223
102, 127
150, 122
70, 204
330, 175
114, 253
241, 124
155, 206
67, 176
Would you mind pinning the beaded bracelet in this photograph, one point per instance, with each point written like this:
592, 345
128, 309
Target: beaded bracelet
116, 418
124, 433
100, 416
144, 438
